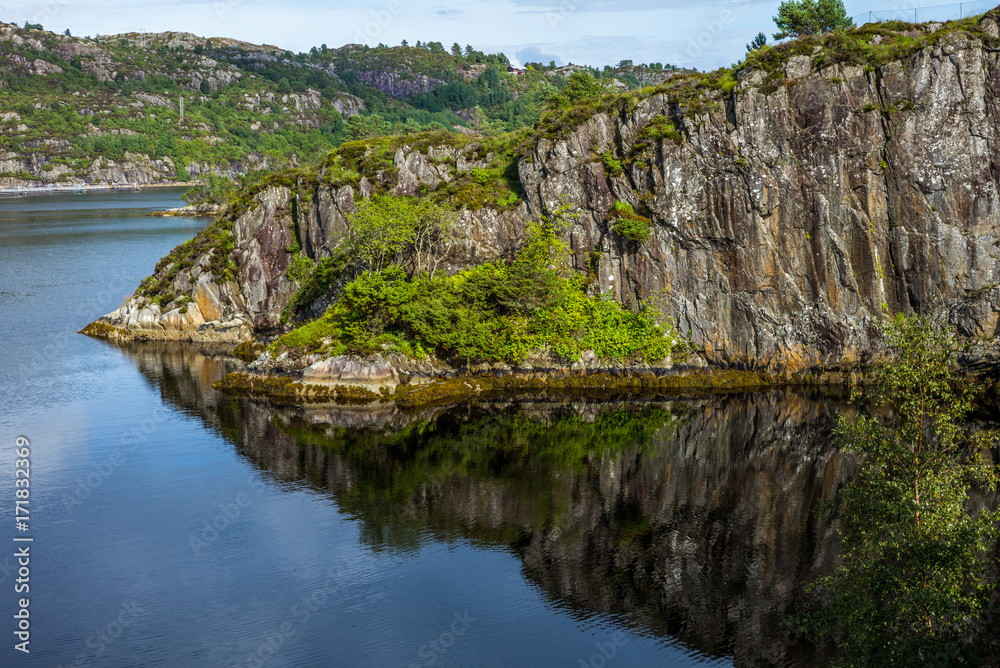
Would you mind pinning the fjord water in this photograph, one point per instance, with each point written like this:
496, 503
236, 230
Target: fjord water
175, 526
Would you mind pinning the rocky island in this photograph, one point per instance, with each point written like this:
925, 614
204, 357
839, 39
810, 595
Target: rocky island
745, 226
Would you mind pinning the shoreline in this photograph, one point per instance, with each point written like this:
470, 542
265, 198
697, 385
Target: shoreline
373, 383
84, 188
440, 391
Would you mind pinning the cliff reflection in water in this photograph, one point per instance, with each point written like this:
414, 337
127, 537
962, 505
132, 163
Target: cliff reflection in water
694, 518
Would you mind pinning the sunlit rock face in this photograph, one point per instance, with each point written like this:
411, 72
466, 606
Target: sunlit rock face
697, 519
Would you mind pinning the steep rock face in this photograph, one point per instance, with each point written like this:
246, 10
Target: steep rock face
397, 85
786, 221
786, 225
348, 105
233, 310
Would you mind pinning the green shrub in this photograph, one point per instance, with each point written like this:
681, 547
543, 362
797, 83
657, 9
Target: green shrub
496, 312
660, 128
300, 268
628, 224
613, 168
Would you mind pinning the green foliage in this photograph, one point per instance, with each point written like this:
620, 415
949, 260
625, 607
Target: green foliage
496, 312
801, 18
917, 558
300, 268
660, 128
628, 224
215, 190
364, 127
321, 280
386, 229
758, 42
612, 167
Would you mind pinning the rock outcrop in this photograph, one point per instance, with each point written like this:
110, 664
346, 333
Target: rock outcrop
788, 219
399, 84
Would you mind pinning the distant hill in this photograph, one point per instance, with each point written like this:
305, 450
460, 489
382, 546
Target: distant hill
108, 109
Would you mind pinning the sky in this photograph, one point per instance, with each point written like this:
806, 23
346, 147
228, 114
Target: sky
705, 35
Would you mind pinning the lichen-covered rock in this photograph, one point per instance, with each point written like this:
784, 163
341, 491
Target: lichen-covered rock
374, 374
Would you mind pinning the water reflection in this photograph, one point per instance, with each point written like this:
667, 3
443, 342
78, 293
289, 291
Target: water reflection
694, 518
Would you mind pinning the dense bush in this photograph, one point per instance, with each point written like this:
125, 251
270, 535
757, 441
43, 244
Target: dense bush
627, 223
496, 312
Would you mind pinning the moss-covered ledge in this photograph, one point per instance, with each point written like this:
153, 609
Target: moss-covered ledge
439, 391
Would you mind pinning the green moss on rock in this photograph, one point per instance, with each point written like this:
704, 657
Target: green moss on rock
102, 330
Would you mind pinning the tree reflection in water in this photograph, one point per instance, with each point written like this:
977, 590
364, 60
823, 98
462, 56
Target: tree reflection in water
693, 517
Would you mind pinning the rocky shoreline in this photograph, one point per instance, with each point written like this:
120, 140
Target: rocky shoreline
192, 210
376, 380
789, 216
410, 395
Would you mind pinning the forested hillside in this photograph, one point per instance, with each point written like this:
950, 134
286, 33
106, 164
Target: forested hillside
108, 109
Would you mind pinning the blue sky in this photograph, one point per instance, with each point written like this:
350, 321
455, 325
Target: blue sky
705, 35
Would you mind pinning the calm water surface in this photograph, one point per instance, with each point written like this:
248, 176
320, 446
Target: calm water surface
175, 526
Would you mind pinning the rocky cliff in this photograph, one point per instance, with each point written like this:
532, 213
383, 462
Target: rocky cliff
794, 203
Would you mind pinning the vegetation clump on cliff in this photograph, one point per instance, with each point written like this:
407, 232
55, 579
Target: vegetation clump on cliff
629, 224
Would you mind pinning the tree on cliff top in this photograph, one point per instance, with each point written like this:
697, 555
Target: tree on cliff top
801, 18
915, 582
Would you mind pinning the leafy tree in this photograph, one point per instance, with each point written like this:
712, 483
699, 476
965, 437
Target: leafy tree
800, 18
381, 227
363, 127
216, 190
456, 50
206, 87
758, 42
386, 229
914, 582
284, 88
67, 33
